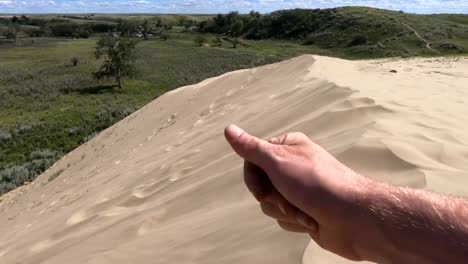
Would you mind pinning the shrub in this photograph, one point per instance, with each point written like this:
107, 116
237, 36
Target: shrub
163, 36
217, 42
199, 40
13, 177
450, 47
74, 61
16, 175
101, 27
63, 29
34, 33
6, 187
5, 135
358, 40
234, 42
109, 115
43, 154
38, 166
83, 34
12, 32
25, 128
321, 39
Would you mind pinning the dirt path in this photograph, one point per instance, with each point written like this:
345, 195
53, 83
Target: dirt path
428, 44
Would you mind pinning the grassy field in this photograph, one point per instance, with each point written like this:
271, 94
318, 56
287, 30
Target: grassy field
48, 107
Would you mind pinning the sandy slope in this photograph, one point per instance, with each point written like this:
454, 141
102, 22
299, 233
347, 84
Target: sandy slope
162, 186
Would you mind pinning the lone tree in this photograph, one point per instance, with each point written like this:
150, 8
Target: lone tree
145, 29
12, 31
117, 55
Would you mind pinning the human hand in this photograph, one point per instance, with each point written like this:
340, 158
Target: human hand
304, 188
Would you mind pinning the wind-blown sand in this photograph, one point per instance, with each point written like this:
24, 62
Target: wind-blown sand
162, 186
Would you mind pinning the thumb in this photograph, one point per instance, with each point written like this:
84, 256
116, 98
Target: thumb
252, 149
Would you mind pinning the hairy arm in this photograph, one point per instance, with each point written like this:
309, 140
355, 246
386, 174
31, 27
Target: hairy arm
413, 226
307, 190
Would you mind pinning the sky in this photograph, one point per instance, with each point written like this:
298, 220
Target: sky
220, 6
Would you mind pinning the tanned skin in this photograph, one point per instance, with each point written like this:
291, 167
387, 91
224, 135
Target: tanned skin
307, 190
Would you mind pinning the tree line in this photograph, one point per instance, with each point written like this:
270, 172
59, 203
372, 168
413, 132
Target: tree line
63, 27
286, 24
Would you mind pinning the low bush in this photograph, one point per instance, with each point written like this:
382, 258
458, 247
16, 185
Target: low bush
43, 154
5, 135
74, 61
358, 40
13, 177
82, 33
16, 175
69, 29
217, 42
63, 29
109, 115
199, 40
101, 27
34, 33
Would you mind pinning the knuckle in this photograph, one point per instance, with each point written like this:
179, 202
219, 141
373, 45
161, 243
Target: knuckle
284, 139
301, 136
279, 154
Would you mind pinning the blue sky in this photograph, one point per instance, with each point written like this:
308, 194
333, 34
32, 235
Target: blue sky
219, 6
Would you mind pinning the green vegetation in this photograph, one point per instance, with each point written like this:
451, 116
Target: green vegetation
47, 104
50, 102
118, 59
199, 40
352, 32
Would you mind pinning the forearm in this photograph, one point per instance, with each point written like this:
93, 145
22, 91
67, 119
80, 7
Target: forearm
412, 226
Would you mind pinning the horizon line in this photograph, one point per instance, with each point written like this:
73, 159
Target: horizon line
216, 13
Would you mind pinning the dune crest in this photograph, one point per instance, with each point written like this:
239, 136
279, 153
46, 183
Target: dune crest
162, 186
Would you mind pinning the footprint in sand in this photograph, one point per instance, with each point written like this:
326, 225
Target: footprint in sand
196, 151
230, 92
41, 246
169, 149
198, 123
175, 177
80, 217
114, 211
150, 223
208, 111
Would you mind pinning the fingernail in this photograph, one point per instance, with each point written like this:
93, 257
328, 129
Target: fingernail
282, 208
234, 130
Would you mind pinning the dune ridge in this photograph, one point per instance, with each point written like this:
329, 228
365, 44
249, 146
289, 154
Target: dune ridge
162, 186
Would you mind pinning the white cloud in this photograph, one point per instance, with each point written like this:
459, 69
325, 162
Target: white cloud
216, 6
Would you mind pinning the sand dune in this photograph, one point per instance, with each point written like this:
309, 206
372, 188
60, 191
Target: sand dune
162, 186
